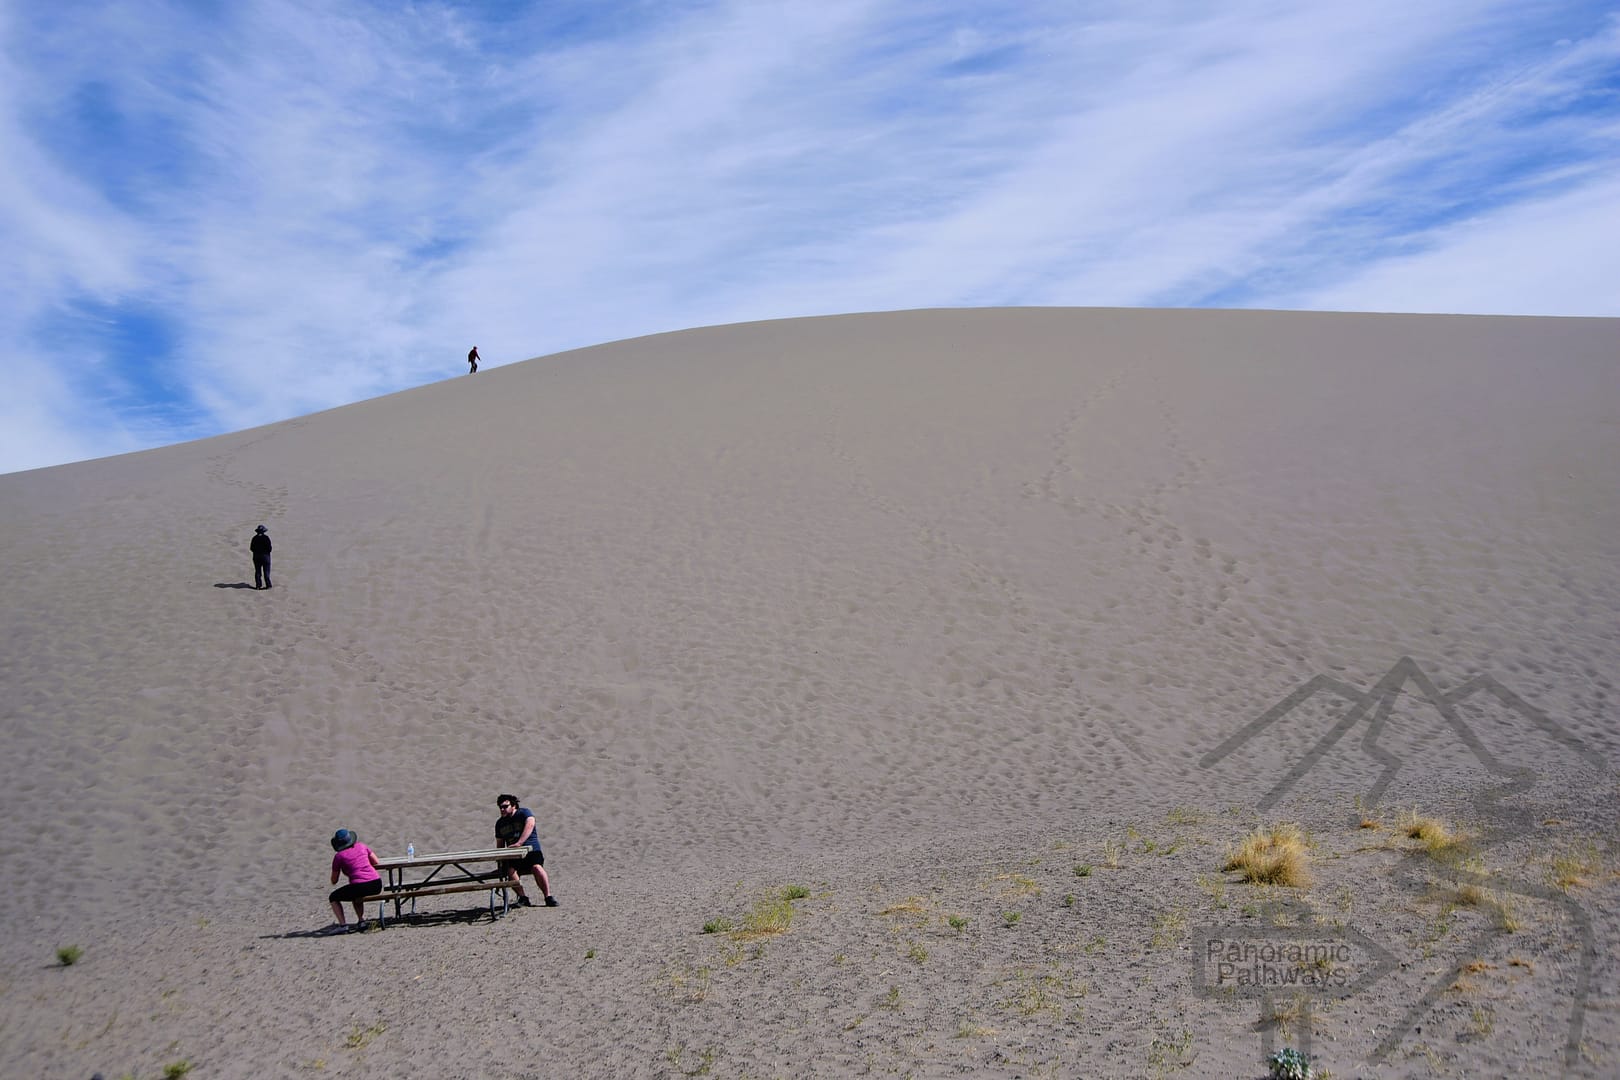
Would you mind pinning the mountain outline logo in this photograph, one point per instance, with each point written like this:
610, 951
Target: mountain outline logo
1376, 705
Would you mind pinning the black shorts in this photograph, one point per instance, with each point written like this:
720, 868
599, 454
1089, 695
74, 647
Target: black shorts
533, 858
356, 891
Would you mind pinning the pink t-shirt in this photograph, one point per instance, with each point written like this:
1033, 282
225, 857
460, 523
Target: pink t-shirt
356, 862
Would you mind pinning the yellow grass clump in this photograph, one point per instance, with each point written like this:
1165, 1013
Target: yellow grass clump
1574, 867
1274, 856
1433, 835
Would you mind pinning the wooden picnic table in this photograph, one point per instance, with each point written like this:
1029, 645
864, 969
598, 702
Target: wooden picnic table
447, 872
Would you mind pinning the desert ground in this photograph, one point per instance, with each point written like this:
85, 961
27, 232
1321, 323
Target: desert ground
894, 693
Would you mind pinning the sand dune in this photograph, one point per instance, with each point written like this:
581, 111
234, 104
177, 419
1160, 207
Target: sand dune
902, 607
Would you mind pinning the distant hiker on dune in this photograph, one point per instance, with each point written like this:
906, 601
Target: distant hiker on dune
260, 546
472, 361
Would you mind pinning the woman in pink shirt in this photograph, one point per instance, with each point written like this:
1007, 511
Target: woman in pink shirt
356, 860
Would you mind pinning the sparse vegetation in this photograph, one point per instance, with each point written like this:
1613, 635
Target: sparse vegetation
1033, 993
1011, 918
1574, 867
771, 914
917, 953
359, 1037
1082, 870
1274, 856
1289, 1064
1030, 999
957, 922
68, 955
1168, 1052
1168, 927
689, 983
1284, 1013
1019, 885
1435, 837
176, 1069
911, 905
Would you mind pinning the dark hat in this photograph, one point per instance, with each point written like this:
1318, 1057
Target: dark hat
261, 528
343, 839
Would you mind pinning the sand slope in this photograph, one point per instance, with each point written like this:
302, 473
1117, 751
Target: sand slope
868, 601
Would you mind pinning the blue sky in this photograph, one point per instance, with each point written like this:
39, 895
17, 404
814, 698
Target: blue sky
219, 213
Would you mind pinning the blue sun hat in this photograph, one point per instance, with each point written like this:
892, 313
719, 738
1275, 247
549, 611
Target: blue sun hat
261, 529
343, 839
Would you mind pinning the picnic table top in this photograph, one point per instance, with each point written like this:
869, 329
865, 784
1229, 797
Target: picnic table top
443, 858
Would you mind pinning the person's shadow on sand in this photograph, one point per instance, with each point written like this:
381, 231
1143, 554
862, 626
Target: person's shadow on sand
463, 916
368, 927
233, 585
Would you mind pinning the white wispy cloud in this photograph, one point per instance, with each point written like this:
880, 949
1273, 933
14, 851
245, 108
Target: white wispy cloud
217, 219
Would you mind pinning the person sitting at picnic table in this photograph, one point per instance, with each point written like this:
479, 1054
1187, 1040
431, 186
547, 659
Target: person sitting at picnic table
357, 861
516, 828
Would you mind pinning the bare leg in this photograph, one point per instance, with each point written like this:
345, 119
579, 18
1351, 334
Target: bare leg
359, 913
337, 913
542, 879
517, 883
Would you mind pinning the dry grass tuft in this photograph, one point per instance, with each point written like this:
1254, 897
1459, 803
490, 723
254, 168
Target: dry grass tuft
911, 905
1435, 837
1575, 867
1283, 1014
1506, 911
1019, 885
1274, 856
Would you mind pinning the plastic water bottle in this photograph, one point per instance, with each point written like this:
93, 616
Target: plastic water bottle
410, 851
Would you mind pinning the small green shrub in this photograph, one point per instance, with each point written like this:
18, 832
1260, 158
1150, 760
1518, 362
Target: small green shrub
1289, 1064
720, 925
795, 892
1082, 870
176, 1069
68, 955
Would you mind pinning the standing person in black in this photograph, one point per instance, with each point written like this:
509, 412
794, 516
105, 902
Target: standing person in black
260, 546
516, 829
472, 361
